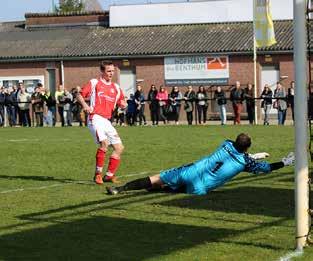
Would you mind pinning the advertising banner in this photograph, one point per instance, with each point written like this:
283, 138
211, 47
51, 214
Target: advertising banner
196, 70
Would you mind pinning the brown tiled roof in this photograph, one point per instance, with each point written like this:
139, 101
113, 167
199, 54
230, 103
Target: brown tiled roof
141, 41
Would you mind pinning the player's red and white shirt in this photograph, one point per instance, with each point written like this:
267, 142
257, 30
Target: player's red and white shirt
103, 97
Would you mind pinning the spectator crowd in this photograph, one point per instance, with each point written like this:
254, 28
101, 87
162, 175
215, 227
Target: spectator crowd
42, 108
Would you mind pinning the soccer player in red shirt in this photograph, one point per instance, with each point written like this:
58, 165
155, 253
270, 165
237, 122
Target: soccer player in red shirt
104, 97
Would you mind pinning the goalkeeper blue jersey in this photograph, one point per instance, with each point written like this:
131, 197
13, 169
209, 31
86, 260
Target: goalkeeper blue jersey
213, 170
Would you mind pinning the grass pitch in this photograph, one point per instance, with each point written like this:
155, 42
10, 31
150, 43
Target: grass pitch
50, 209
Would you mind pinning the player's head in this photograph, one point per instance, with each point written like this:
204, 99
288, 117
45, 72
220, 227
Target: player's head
107, 70
243, 142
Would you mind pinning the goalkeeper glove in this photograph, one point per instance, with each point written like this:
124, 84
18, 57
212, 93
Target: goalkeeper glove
260, 155
289, 160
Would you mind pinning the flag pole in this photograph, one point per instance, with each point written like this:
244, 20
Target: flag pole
254, 67
301, 128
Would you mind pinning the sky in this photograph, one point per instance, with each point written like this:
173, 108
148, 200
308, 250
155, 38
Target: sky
14, 10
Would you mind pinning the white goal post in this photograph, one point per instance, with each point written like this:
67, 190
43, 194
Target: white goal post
301, 127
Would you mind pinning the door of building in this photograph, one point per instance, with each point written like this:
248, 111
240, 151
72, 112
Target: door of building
51, 80
270, 75
128, 82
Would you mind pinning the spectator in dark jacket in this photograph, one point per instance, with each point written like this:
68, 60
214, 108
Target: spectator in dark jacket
76, 106
2, 101
140, 102
38, 102
175, 98
237, 97
266, 103
189, 97
220, 97
291, 95
131, 110
10, 103
250, 103
202, 104
153, 105
51, 106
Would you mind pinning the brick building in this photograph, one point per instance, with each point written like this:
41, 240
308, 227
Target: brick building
66, 48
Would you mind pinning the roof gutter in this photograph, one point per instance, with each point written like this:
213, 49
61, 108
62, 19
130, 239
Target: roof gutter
141, 56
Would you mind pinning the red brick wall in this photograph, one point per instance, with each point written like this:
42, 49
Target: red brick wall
17, 69
45, 20
79, 72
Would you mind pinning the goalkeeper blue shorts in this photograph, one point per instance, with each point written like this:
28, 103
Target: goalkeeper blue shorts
184, 176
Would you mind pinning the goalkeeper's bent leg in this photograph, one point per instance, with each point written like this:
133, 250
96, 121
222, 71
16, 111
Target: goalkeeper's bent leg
137, 184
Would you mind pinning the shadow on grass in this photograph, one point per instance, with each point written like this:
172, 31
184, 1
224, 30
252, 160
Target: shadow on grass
119, 238
37, 178
263, 201
105, 238
113, 238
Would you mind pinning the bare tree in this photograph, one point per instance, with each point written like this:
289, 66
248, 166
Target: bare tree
92, 5
70, 6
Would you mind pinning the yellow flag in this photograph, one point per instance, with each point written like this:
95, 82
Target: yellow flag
263, 24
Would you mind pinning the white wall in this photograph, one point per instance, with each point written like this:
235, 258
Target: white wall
194, 12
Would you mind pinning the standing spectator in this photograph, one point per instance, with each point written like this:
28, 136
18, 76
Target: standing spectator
10, 103
121, 115
220, 97
237, 97
67, 108
250, 102
76, 107
18, 114
51, 108
202, 104
162, 97
175, 98
280, 93
153, 105
291, 95
189, 97
266, 103
2, 101
131, 110
104, 95
140, 102
37, 101
24, 99
58, 95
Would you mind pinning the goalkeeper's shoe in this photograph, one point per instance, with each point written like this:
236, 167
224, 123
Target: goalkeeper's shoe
111, 179
98, 179
112, 190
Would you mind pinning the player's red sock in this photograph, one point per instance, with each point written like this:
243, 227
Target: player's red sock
113, 165
100, 156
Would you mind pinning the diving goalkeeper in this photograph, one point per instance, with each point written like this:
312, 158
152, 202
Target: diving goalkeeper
210, 172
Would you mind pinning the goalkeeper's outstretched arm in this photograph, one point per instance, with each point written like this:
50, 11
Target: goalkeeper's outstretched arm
255, 167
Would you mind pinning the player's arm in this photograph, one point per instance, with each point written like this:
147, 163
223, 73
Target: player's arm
256, 167
85, 92
121, 101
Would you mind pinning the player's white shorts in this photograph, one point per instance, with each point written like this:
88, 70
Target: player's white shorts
102, 129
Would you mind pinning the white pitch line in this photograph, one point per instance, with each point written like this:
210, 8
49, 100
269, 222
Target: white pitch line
23, 140
36, 140
289, 256
64, 184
